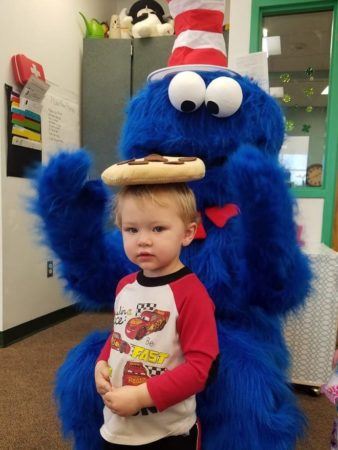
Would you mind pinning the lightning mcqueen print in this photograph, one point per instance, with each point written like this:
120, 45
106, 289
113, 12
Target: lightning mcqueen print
148, 322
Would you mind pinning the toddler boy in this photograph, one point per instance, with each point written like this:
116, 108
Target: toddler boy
164, 340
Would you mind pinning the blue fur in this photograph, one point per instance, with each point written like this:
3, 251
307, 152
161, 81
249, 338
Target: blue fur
80, 408
74, 212
253, 267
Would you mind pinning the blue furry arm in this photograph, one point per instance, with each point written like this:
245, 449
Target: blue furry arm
73, 214
278, 273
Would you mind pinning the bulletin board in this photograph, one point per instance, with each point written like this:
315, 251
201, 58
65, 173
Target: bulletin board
20, 158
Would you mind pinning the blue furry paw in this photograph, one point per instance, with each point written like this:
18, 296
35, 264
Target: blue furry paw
61, 187
278, 273
251, 165
256, 178
65, 172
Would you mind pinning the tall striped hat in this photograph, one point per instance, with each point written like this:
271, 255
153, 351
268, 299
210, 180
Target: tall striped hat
199, 44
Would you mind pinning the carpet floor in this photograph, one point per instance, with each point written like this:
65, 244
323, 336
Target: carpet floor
28, 419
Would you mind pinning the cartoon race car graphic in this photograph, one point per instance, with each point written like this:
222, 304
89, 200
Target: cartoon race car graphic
148, 322
119, 344
134, 373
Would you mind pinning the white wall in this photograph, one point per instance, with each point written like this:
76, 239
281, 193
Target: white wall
50, 32
239, 36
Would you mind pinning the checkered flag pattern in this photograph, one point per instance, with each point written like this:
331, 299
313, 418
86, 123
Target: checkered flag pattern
145, 307
153, 371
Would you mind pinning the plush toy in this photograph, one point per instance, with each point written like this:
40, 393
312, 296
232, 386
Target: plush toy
120, 25
105, 27
115, 27
247, 253
125, 24
154, 169
147, 20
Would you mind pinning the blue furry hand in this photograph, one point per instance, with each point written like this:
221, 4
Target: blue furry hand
62, 179
72, 208
277, 272
260, 189
253, 173
73, 212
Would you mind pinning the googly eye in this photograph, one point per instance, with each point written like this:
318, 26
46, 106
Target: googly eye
223, 97
187, 91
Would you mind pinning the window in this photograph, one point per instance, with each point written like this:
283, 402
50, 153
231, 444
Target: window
298, 47
301, 38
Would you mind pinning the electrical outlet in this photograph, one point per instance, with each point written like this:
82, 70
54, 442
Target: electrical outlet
50, 269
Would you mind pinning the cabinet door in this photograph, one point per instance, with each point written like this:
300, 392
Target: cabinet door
105, 92
149, 54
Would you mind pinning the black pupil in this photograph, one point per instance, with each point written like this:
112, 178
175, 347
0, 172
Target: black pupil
212, 107
188, 106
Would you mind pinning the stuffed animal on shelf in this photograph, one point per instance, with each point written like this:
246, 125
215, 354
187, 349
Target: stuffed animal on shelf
115, 27
120, 25
105, 27
246, 252
125, 24
147, 19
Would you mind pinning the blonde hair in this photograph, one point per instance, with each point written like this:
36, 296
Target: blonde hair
180, 193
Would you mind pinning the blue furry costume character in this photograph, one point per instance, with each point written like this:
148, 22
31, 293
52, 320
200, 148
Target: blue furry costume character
252, 266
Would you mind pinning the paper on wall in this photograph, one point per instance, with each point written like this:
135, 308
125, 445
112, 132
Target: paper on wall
32, 95
254, 66
27, 143
60, 122
294, 156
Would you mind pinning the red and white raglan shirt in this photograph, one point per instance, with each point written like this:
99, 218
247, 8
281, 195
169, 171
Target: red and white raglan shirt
164, 334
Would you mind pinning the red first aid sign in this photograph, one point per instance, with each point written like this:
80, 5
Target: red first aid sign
24, 68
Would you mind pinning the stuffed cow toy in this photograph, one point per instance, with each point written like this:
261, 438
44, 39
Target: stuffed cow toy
245, 252
146, 18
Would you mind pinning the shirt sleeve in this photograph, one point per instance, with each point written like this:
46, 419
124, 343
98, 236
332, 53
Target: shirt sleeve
105, 352
197, 331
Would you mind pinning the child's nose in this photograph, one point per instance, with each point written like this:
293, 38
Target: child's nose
144, 240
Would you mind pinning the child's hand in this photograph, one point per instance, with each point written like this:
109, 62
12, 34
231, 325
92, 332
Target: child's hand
127, 400
123, 401
102, 377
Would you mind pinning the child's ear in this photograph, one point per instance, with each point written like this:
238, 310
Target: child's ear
189, 234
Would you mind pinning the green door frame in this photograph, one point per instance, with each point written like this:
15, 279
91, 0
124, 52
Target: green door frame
261, 8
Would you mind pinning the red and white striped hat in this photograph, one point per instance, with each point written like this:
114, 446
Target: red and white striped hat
199, 44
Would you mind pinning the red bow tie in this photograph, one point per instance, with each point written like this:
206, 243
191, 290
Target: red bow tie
219, 215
